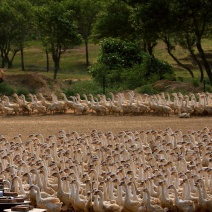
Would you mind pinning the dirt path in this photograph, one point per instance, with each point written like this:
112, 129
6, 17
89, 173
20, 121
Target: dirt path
51, 124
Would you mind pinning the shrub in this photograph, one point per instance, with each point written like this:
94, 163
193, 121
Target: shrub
101, 73
6, 89
22, 91
195, 82
208, 88
149, 71
147, 89
124, 64
180, 79
117, 53
133, 77
152, 67
83, 87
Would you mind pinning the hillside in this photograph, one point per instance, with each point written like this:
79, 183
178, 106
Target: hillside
35, 82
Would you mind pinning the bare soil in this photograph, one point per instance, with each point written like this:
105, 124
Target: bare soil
51, 124
35, 82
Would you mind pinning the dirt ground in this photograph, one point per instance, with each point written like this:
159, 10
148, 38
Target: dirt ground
51, 124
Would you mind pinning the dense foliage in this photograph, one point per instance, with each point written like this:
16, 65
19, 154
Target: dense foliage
117, 53
124, 64
15, 28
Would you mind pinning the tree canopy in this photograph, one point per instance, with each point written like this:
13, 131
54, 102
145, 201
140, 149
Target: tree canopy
57, 29
183, 23
15, 24
123, 63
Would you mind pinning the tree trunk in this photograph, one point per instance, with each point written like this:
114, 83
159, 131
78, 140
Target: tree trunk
6, 59
199, 33
2, 59
181, 64
56, 59
22, 59
176, 60
199, 65
55, 72
144, 45
56, 66
10, 61
204, 60
86, 51
150, 47
47, 61
195, 59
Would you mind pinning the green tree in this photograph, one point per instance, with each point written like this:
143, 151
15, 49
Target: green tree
115, 56
85, 15
117, 53
146, 19
57, 29
113, 21
15, 25
181, 22
195, 17
124, 63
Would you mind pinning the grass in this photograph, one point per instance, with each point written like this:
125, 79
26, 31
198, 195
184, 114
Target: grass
72, 63
161, 53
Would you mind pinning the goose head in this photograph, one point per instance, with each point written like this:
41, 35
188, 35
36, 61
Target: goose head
171, 187
55, 174
33, 187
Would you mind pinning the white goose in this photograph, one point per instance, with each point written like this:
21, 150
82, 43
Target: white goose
63, 196
182, 205
106, 206
50, 203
